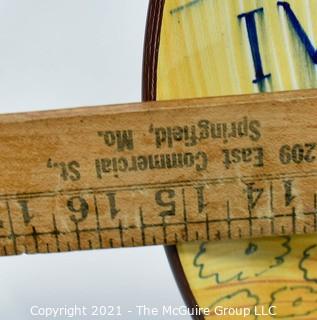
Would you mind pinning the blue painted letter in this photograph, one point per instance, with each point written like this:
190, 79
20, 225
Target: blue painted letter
299, 30
254, 44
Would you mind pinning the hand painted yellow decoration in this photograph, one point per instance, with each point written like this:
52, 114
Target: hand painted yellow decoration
222, 47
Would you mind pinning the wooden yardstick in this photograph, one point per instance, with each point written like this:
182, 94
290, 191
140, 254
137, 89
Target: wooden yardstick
133, 175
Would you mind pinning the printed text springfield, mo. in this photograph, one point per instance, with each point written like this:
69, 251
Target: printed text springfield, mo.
187, 136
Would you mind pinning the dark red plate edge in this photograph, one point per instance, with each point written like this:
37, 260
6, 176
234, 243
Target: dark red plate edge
149, 76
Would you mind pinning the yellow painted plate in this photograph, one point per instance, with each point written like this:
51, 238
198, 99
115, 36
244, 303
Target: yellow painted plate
221, 47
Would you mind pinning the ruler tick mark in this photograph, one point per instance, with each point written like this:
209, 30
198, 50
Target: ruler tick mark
56, 233
185, 214
121, 233
98, 222
34, 235
77, 231
294, 220
142, 226
314, 214
164, 230
13, 236
283, 229
229, 219
207, 227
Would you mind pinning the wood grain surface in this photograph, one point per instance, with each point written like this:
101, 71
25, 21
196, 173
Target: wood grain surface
207, 48
158, 173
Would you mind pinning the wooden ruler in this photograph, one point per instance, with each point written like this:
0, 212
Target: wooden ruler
159, 173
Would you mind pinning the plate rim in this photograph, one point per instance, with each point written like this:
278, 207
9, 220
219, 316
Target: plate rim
149, 81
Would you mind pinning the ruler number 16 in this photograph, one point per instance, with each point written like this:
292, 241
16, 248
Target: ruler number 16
78, 205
